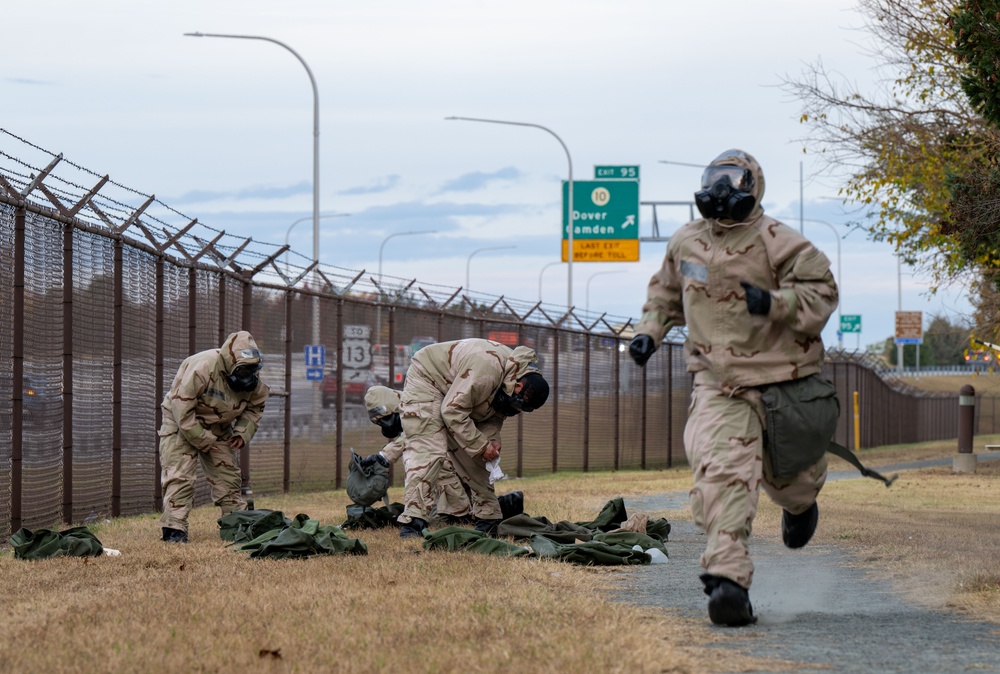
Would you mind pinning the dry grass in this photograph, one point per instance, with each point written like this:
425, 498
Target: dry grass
204, 607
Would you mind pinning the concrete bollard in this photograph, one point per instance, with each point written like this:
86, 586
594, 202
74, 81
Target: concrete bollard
965, 460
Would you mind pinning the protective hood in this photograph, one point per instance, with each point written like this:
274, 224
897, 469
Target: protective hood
735, 157
239, 349
381, 401
520, 362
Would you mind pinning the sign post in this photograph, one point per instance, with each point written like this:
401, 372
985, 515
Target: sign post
909, 330
605, 221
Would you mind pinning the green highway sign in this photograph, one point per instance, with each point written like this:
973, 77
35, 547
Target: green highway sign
850, 323
602, 209
616, 172
605, 220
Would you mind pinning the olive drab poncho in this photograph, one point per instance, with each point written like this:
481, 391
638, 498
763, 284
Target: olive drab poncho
699, 286
201, 405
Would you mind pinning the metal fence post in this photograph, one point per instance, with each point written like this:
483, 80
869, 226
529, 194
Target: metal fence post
17, 361
67, 375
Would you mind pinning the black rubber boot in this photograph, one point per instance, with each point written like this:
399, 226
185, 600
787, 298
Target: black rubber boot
797, 530
728, 603
455, 520
488, 527
413, 529
511, 504
174, 535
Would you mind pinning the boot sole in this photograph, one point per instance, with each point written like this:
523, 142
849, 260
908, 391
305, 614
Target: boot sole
730, 616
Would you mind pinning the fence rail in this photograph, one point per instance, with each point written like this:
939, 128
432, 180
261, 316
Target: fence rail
103, 294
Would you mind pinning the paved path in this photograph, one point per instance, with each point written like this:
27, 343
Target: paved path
815, 607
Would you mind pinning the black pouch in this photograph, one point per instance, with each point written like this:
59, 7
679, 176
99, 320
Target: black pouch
802, 417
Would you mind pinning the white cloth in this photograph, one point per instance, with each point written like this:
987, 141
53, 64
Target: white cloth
496, 473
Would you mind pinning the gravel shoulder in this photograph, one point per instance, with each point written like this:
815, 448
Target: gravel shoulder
818, 609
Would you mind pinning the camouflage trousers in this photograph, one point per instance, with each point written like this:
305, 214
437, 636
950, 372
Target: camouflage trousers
427, 446
179, 461
453, 499
724, 443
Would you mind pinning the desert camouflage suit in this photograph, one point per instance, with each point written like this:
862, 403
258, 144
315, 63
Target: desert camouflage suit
452, 499
446, 402
731, 353
200, 415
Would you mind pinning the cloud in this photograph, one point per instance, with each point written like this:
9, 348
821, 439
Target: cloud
381, 184
203, 196
25, 80
477, 180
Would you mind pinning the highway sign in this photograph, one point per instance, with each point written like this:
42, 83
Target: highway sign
357, 332
357, 353
850, 323
605, 172
909, 327
605, 221
314, 374
315, 355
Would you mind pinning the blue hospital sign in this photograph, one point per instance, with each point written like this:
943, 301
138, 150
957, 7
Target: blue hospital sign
315, 355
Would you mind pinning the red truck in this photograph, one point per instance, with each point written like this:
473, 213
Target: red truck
355, 386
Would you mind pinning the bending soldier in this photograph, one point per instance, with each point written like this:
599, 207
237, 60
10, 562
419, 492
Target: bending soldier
453, 503
211, 411
461, 392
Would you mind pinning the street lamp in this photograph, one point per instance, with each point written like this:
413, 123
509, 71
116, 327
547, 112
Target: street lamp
314, 426
839, 279
308, 217
378, 310
569, 196
550, 264
619, 271
468, 262
386, 240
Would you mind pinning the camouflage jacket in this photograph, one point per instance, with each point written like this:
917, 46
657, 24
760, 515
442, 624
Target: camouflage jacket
200, 404
699, 286
465, 374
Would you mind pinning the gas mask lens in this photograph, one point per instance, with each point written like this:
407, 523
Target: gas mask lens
518, 402
244, 377
391, 425
740, 178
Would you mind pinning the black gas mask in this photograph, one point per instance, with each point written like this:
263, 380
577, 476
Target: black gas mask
725, 193
510, 405
391, 425
243, 378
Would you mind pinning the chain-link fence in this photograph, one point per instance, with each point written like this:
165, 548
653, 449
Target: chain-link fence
104, 291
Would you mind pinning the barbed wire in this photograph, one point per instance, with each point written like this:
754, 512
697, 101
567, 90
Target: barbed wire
248, 252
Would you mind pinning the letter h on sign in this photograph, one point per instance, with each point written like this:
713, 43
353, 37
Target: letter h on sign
315, 355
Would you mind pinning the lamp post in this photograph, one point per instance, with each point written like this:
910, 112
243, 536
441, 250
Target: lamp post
308, 217
314, 426
468, 262
550, 264
378, 311
569, 195
839, 279
587, 308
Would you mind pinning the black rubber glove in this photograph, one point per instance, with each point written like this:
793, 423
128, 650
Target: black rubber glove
372, 459
641, 348
758, 299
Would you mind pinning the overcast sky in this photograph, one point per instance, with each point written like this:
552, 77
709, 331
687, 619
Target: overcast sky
222, 129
